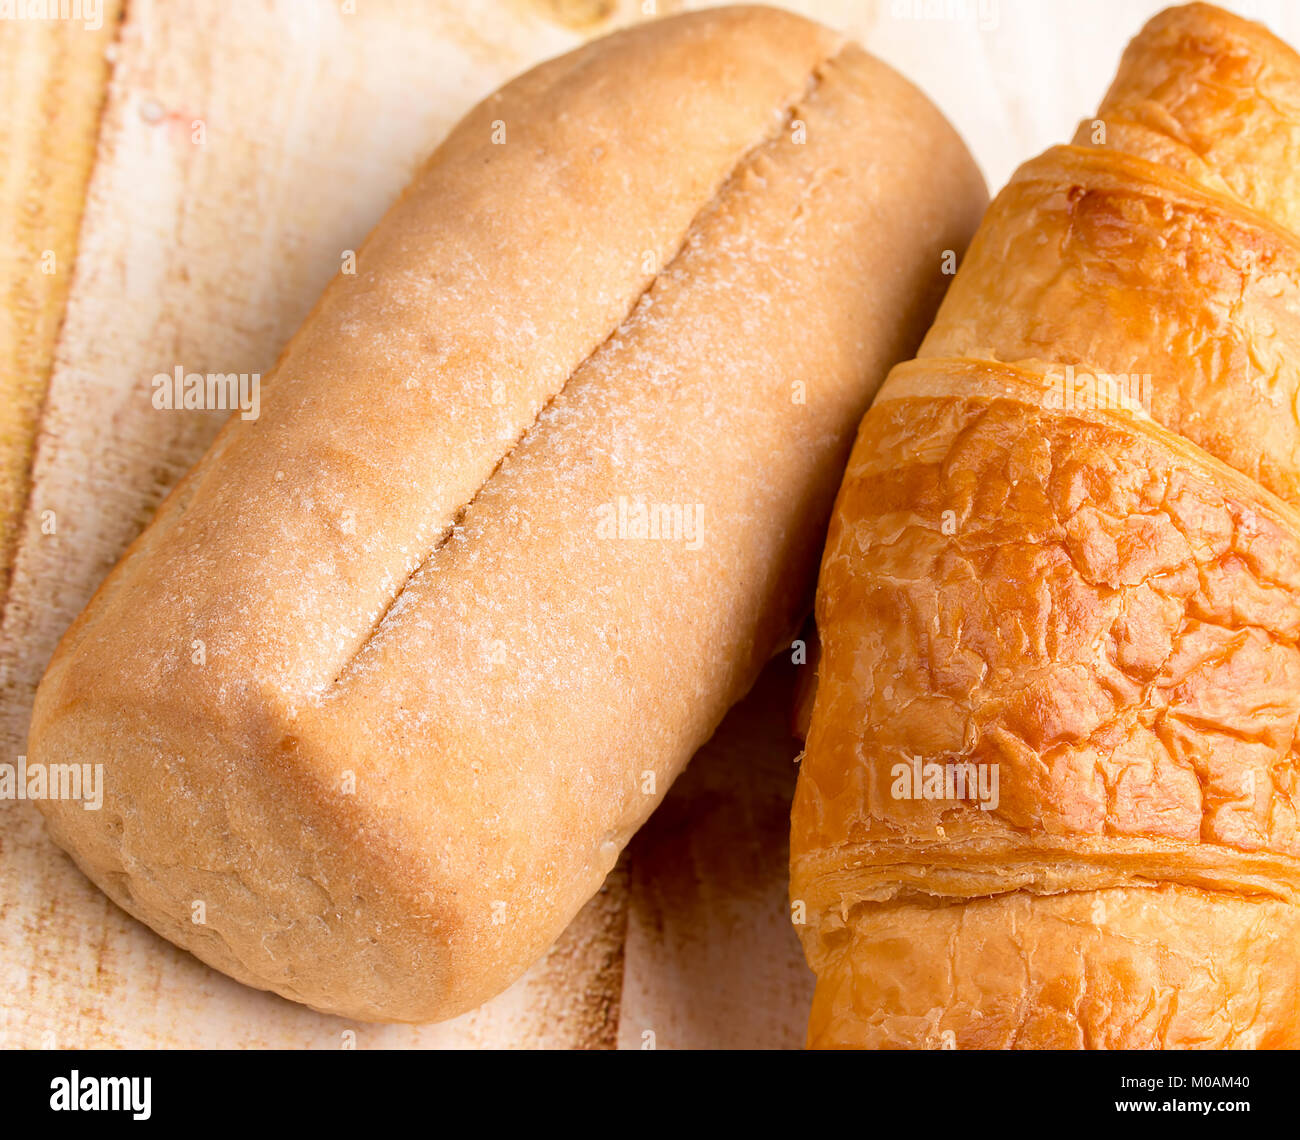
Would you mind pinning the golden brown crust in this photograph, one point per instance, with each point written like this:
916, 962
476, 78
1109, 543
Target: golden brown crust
1102, 585
1107, 969
1107, 264
1088, 589
432, 691
1215, 98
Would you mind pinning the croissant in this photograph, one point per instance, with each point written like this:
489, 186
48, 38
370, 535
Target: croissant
1049, 795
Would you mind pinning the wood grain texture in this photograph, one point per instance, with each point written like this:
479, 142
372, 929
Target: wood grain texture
711, 960
53, 76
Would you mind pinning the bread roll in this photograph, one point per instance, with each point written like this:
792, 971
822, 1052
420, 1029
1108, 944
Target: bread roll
1066, 560
396, 671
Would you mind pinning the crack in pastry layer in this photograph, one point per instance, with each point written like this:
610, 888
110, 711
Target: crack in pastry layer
1155, 968
1123, 268
1117, 629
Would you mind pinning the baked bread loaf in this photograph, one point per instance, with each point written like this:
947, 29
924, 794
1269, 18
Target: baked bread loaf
1050, 791
402, 663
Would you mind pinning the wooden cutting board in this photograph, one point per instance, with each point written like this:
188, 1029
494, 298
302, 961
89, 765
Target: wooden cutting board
240, 148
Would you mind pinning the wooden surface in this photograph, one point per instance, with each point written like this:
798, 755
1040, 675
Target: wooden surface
243, 148
711, 960
52, 80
